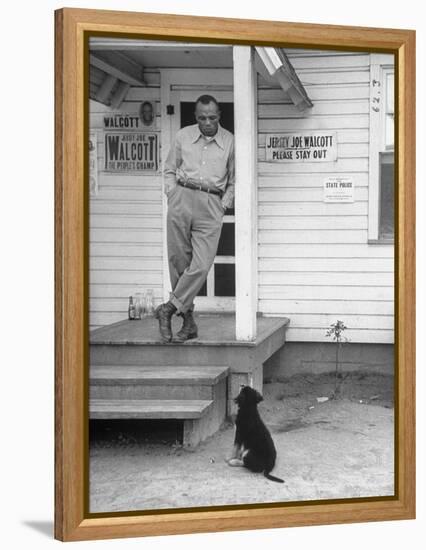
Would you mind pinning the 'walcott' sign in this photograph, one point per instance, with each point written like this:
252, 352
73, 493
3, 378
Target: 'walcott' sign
301, 147
131, 151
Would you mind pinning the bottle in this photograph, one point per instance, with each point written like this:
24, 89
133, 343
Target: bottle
149, 297
132, 309
143, 305
138, 306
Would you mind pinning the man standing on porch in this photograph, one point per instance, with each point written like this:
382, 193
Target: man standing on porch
199, 178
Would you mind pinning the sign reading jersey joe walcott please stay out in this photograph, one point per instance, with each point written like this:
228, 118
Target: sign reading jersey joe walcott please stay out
301, 147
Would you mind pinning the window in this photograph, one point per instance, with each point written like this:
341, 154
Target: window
382, 166
386, 206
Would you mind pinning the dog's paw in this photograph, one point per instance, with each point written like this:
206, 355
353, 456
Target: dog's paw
235, 462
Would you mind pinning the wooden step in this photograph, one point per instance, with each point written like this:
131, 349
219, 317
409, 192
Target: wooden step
133, 382
152, 375
196, 395
148, 409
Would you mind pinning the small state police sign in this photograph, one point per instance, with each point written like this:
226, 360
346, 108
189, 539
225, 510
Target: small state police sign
338, 190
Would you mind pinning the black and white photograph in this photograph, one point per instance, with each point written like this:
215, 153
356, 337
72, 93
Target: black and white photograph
241, 275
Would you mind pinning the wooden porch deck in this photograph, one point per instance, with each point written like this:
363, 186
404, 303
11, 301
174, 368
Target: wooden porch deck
214, 329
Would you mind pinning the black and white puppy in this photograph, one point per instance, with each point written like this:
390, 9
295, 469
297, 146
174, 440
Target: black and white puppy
253, 445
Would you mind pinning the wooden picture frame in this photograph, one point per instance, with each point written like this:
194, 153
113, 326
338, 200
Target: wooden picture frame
72, 522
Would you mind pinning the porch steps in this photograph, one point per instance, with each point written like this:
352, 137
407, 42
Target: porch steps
195, 395
176, 409
129, 343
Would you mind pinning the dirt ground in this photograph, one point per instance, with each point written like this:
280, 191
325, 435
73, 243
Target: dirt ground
327, 449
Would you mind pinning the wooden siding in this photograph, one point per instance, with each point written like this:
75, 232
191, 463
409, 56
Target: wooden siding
125, 224
315, 264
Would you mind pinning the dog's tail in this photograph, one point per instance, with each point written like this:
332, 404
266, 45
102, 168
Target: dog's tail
272, 478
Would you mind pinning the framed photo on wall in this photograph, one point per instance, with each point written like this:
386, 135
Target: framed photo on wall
296, 143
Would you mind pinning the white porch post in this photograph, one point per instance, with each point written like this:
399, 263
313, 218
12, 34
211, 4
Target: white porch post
245, 116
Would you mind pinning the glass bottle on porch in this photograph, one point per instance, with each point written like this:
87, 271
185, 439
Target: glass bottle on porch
139, 306
149, 302
142, 302
131, 309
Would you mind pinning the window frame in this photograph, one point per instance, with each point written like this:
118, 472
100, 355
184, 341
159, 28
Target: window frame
380, 66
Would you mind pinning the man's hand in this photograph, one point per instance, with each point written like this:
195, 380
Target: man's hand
168, 191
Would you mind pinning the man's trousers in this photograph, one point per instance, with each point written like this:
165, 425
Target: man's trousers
194, 223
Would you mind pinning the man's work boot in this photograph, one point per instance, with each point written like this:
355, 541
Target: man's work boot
164, 314
189, 328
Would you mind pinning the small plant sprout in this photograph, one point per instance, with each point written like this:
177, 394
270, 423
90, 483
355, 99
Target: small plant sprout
336, 332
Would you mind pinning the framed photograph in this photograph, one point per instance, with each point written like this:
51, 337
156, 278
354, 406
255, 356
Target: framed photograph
235, 214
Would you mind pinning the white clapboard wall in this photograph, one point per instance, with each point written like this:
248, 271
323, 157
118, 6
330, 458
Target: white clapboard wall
125, 224
315, 265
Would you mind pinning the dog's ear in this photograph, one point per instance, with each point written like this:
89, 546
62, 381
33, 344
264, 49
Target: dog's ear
259, 397
239, 400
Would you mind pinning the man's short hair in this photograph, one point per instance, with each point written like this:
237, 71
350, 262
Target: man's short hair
205, 99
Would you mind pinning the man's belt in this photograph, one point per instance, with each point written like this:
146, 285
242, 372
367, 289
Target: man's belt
191, 184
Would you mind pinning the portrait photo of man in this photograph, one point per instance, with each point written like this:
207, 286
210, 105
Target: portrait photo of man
147, 113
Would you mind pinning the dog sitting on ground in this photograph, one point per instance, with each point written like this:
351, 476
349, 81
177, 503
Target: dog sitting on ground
253, 445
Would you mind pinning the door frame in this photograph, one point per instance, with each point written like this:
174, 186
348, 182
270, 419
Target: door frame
175, 88
242, 78
206, 303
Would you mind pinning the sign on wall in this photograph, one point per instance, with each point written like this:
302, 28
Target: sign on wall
93, 163
129, 145
338, 190
131, 151
140, 120
301, 147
